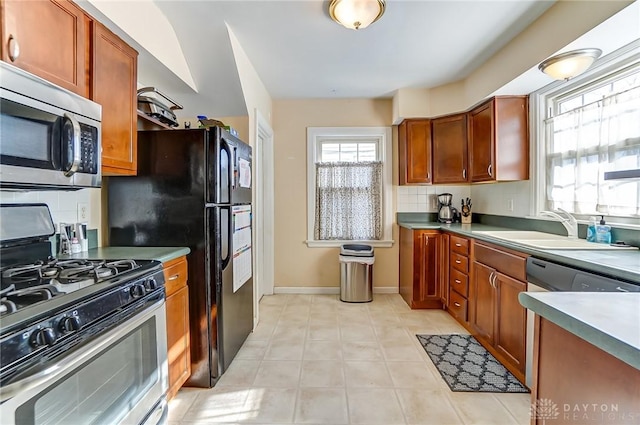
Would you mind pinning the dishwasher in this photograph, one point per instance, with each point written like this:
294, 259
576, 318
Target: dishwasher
544, 276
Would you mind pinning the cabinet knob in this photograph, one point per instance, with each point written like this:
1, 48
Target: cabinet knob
458, 245
458, 281
458, 261
13, 47
489, 170
457, 304
464, 173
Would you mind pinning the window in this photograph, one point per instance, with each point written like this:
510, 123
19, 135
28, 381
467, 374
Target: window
589, 127
349, 185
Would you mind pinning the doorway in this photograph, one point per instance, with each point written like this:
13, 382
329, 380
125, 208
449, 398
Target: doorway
263, 221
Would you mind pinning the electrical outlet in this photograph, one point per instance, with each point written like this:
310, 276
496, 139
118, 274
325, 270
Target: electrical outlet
83, 211
510, 205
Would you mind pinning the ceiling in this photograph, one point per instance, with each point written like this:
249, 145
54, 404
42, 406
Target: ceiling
299, 52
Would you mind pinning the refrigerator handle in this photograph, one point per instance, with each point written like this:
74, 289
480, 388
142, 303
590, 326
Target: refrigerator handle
230, 219
232, 167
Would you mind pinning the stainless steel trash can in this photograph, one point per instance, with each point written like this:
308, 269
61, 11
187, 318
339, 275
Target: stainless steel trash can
356, 273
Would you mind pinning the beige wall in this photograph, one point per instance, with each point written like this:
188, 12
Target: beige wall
295, 263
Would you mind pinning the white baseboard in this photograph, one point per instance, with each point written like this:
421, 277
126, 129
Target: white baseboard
386, 290
327, 290
308, 290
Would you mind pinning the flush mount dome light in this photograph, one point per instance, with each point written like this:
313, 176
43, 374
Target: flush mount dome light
570, 64
356, 14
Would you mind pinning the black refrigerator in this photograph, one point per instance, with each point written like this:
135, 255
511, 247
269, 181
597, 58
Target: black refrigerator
193, 188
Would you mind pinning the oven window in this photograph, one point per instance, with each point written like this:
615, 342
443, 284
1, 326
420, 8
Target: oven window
102, 390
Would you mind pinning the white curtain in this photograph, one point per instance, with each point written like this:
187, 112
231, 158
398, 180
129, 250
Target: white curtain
584, 143
348, 201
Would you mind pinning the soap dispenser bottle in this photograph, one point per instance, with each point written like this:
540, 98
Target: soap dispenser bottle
591, 230
603, 232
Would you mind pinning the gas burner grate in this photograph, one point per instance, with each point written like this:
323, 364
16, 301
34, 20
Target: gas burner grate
65, 271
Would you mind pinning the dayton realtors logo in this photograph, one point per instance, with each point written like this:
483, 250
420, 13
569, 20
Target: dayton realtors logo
544, 409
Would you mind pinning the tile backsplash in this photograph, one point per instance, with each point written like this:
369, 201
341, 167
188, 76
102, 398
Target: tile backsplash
424, 198
62, 204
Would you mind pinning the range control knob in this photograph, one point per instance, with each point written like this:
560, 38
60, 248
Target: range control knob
151, 284
137, 290
42, 337
69, 324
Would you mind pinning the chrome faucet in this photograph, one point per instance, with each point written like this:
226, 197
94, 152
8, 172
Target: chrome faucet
569, 222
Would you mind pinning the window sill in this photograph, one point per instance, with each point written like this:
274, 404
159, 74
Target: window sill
338, 244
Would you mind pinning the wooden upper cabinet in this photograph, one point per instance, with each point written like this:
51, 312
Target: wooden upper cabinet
113, 85
414, 149
449, 136
499, 140
47, 38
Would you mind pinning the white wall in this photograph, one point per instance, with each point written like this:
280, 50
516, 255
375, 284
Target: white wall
62, 204
495, 198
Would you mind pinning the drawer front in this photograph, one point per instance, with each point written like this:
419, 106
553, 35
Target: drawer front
459, 245
459, 262
175, 275
458, 306
459, 282
503, 261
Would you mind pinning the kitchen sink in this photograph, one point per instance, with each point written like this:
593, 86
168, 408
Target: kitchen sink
543, 240
567, 243
520, 234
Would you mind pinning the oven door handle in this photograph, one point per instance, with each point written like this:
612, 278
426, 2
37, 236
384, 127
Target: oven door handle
75, 358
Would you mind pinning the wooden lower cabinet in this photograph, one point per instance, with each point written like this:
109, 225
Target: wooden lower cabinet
510, 330
585, 384
421, 268
178, 337
496, 317
483, 316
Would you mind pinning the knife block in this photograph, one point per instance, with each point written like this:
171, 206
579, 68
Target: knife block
466, 219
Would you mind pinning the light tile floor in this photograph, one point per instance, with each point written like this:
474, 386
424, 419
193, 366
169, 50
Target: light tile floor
316, 360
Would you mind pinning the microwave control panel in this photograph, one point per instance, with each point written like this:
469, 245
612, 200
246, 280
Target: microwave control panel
88, 150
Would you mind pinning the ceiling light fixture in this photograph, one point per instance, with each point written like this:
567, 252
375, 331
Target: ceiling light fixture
570, 64
356, 14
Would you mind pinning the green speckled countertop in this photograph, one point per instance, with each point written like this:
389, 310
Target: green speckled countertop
609, 321
623, 264
163, 254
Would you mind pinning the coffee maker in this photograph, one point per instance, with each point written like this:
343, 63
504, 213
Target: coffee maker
445, 212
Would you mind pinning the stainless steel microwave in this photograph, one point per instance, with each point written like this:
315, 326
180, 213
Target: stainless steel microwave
49, 137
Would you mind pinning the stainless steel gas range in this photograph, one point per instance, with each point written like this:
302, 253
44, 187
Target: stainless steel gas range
81, 342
